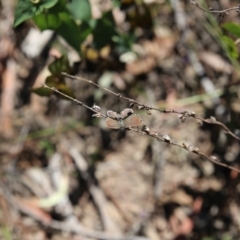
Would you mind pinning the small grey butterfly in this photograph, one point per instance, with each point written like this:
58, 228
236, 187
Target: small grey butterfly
125, 119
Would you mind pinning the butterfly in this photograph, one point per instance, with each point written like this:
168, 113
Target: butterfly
126, 119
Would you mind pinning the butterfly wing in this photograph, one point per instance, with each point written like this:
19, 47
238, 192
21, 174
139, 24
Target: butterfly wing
133, 121
112, 123
126, 112
112, 114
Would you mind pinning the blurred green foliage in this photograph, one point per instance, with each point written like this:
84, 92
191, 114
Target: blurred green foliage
56, 79
47, 147
232, 28
73, 21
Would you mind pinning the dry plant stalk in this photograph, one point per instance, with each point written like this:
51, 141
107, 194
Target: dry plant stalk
221, 13
184, 115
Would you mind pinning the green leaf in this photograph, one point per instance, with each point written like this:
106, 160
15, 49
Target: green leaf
47, 21
60, 65
233, 28
104, 30
26, 9
116, 3
124, 41
85, 30
66, 90
80, 9
52, 81
46, 4
231, 47
70, 31
42, 91
58, 18
59, 7
59, 84
23, 11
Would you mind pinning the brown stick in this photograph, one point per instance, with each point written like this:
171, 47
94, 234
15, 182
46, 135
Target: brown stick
164, 138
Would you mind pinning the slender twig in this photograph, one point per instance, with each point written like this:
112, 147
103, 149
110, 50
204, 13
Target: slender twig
98, 113
224, 11
146, 131
183, 114
113, 93
187, 147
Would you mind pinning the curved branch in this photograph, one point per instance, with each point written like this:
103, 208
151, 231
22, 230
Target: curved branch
210, 10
